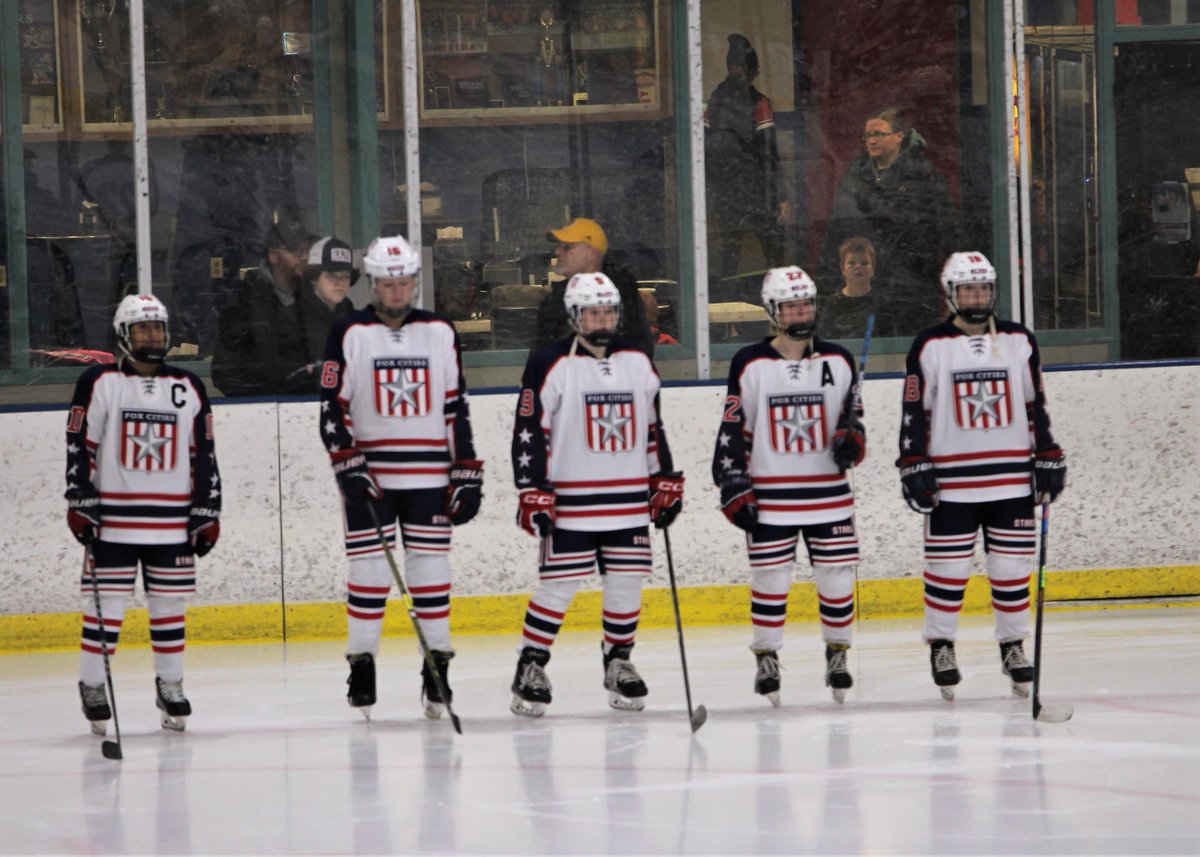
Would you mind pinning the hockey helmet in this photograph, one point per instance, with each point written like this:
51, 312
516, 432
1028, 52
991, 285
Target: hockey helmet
591, 290
390, 258
970, 267
782, 285
138, 308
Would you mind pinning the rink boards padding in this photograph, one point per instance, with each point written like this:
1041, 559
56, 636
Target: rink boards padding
1128, 523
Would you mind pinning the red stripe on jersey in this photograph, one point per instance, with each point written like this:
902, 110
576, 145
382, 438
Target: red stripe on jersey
161, 498
831, 479
110, 524
603, 483
769, 506
418, 441
966, 483
982, 456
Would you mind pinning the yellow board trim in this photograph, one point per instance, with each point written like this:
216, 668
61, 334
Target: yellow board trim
503, 614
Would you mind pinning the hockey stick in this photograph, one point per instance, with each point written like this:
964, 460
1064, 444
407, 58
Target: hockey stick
412, 614
1055, 713
110, 749
700, 714
855, 402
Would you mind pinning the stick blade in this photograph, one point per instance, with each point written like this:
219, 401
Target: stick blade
111, 750
699, 718
456, 722
1053, 713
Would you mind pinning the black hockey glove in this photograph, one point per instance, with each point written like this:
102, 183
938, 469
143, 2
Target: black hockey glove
666, 498
83, 515
849, 445
737, 501
465, 491
204, 528
918, 484
1049, 473
354, 479
535, 510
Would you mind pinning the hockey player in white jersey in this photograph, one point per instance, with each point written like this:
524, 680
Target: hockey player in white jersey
142, 488
396, 423
593, 468
975, 449
786, 440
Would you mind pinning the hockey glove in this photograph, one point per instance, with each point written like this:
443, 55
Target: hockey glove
465, 491
918, 484
849, 445
354, 479
738, 503
666, 498
83, 516
535, 510
204, 528
1049, 473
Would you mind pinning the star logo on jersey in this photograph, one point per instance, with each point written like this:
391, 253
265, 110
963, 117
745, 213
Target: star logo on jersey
402, 386
797, 422
148, 440
982, 399
610, 422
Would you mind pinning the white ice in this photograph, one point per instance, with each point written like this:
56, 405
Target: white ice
274, 762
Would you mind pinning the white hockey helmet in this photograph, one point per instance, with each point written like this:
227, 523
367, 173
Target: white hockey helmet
969, 267
782, 285
388, 258
591, 290
137, 308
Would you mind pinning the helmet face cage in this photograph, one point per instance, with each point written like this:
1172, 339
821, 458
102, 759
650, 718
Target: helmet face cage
590, 290
389, 258
132, 310
963, 268
781, 285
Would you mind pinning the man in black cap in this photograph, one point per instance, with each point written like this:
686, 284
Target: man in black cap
260, 341
328, 276
747, 194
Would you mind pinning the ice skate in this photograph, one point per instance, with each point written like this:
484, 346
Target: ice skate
95, 707
431, 692
837, 677
766, 679
1017, 667
361, 694
945, 667
626, 690
531, 685
173, 705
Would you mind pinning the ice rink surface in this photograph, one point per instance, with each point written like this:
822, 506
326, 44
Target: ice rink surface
274, 762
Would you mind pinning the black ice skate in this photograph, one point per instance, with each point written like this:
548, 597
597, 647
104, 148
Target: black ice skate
531, 685
95, 707
945, 667
173, 705
431, 691
837, 677
1017, 667
766, 678
626, 690
361, 693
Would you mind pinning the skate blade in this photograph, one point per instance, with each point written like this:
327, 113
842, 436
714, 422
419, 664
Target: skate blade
434, 710
839, 695
625, 703
525, 708
947, 693
175, 724
1020, 689
772, 697
99, 727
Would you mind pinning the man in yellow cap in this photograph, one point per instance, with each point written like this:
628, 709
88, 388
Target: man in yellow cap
582, 248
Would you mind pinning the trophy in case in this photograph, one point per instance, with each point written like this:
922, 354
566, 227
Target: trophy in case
548, 62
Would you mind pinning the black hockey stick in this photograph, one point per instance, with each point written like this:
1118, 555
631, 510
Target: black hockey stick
443, 689
700, 714
110, 749
1054, 713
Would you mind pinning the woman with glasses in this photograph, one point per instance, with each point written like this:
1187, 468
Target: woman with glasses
894, 197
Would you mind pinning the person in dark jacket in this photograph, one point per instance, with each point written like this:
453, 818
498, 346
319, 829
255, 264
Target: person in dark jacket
327, 279
582, 248
260, 340
894, 197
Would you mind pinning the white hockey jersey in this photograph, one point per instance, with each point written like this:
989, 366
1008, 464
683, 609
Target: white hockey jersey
975, 408
778, 426
146, 445
590, 429
398, 395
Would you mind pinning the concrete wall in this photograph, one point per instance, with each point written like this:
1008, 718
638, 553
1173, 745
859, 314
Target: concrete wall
1132, 437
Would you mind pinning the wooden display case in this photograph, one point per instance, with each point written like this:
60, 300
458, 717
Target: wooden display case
41, 68
514, 60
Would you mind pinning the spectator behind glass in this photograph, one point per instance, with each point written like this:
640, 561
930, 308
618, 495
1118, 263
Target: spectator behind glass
747, 195
328, 276
260, 341
894, 197
844, 313
650, 304
582, 248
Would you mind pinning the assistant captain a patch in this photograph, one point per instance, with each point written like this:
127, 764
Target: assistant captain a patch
610, 421
148, 440
402, 386
797, 422
982, 399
